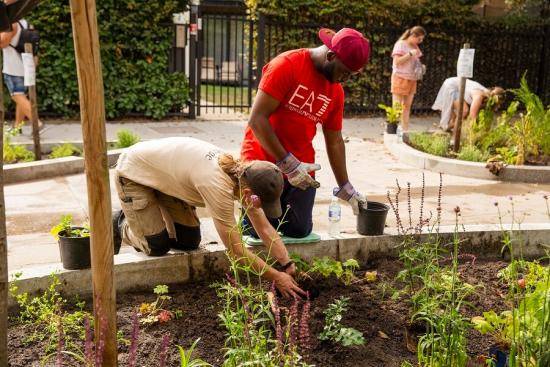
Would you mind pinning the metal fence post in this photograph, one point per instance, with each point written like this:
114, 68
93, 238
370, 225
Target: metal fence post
250, 58
260, 52
193, 85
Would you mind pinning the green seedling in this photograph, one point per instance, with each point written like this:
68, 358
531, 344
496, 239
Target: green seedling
333, 329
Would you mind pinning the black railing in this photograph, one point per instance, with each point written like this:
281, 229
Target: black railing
503, 55
225, 63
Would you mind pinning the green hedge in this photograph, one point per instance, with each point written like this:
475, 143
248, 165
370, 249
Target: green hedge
135, 38
505, 48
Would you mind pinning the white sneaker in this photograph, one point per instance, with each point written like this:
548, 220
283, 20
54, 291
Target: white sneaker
399, 134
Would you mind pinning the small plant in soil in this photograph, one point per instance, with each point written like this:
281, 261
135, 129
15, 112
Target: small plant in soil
14, 153
186, 357
393, 113
154, 312
126, 138
43, 315
66, 228
327, 267
334, 330
64, 150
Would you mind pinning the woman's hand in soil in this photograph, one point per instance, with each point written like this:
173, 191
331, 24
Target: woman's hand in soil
291, 270
288, 287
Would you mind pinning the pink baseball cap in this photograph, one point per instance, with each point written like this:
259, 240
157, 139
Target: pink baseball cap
351, 47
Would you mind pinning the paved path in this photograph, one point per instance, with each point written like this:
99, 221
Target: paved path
33, 207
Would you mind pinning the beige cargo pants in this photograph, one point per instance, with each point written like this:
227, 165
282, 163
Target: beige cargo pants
155, 222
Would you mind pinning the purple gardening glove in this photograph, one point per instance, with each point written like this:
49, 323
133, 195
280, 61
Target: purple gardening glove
349, 194
298, 172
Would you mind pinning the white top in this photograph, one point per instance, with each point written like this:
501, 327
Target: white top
13, 64
448, 93
184, 168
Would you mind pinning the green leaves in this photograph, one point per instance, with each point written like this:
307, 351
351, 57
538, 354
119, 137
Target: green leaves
160, 289
135, 45
126, 138
334, 331
393, 113
64, 150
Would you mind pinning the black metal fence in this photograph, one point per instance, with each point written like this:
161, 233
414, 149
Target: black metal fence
225, 62
503, 55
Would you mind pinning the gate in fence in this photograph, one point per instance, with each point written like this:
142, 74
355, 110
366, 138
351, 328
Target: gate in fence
217, 56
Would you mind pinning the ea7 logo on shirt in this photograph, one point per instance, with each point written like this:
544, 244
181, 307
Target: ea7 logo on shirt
305, 102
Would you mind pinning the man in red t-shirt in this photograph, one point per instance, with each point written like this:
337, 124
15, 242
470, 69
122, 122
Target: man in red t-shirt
298, 90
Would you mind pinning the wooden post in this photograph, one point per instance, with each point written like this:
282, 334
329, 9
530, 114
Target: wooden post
34, 112
3, 247
458, 125
92, 115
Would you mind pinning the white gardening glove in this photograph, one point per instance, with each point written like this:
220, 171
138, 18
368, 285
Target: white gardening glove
348, 193
298, 172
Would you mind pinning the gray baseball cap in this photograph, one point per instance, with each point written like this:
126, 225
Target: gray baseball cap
266, 180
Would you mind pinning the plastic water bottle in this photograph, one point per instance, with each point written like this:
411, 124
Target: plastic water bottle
334, 216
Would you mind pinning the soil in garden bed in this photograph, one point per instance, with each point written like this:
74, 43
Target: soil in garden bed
382, 321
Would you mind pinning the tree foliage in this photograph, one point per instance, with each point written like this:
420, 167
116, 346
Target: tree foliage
135, 38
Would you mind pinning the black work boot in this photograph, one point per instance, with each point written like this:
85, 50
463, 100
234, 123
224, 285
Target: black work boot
118, 218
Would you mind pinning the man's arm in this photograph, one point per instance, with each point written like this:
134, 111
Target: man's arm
264, 106
476, 106
6, 37
336, 151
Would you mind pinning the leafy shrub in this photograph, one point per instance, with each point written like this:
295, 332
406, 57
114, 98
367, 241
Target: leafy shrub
393, 113
472, 153
531, 130
135, 39
65, 150
436, 144
126, 138
14, 153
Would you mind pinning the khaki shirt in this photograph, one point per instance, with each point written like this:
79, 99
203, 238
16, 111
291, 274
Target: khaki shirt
185, 168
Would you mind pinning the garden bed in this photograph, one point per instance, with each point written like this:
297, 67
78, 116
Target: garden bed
383, 320
437, 143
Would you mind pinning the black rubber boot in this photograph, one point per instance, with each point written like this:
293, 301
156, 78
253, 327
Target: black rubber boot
118, 218
159, 244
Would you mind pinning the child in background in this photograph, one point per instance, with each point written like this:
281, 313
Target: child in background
407, 70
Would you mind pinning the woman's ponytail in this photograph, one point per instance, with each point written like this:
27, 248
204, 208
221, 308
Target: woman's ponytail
416, 30
405, 35
230, 165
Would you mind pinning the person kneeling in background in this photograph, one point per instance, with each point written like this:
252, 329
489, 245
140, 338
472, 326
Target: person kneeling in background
475, 97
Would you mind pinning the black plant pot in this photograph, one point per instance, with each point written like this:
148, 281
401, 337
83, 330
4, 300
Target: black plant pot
499, 356
372, 219
391, 128
74, 251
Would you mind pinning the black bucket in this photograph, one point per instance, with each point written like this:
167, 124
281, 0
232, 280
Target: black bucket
391, 128
74, 251
372, 219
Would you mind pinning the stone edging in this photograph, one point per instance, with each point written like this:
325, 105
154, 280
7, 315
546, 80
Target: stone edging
416, 158
21, 172
135, 271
